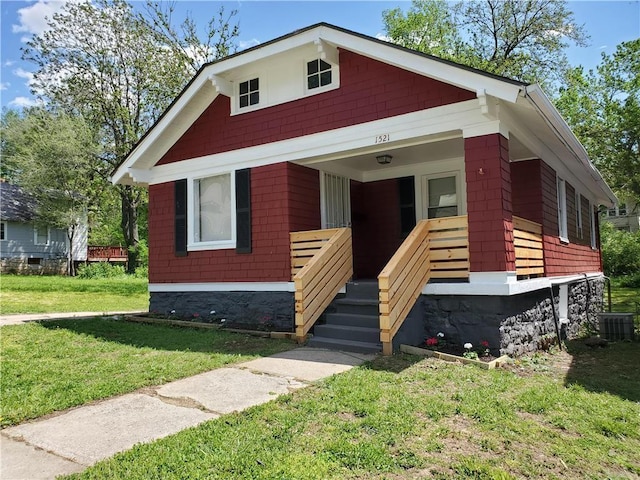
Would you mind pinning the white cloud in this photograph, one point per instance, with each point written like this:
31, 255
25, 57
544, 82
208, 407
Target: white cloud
33, 19
22, 73
4, 85
9, 63
23, 102
244, 44
383, 37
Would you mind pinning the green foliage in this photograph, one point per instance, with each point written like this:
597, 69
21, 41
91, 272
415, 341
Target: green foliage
603, 108
620, 250
101, 358
631, 281
100, 270
521, 40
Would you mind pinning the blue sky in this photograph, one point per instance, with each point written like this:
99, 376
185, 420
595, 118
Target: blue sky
607, 22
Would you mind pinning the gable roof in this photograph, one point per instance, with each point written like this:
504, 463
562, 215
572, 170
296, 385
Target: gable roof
15, 204
207, 84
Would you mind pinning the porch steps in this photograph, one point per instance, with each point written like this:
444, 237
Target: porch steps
352, 322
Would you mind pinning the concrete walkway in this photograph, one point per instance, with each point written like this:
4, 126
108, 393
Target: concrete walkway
17, 319
70, 441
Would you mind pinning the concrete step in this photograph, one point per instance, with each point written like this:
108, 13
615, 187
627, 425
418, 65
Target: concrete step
361, 306
345, 345
353, 320
343, 332
363, 289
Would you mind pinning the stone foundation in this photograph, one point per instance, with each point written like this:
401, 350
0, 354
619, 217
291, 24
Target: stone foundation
512, 325
47, 266
272, 311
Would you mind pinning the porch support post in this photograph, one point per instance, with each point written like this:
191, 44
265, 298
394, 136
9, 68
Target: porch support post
489, 209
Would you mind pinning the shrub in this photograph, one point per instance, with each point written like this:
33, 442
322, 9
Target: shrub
620, 251
630, 281
100, 270
141, 272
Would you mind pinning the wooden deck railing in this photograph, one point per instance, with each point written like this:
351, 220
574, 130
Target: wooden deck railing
321, 264
106, 253
437, 248
527, 241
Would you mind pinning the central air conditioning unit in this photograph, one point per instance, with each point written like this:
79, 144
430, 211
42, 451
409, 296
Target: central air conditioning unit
616, 326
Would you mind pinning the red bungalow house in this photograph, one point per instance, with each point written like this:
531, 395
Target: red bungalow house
445, 199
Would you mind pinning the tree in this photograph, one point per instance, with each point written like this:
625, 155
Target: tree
54, 155
603, 108
521, 39
102, 61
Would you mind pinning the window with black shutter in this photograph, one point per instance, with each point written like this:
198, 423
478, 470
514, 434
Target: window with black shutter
243, 211
180, 217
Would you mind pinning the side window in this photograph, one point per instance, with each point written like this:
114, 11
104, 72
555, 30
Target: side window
40, 235
579, 216
562, 209
213, 200
3, 231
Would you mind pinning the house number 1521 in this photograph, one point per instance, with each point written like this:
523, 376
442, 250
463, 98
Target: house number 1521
382, 138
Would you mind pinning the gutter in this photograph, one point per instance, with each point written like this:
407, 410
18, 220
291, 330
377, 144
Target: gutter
552, 117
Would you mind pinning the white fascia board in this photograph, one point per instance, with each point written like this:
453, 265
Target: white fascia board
223, 287
328, 145
555, 121
416, 63
169, 128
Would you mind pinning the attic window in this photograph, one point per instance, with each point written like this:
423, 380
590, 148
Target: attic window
318, 74
249, 93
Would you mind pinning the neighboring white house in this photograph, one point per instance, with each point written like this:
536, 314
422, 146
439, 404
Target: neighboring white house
624, 216
26, 247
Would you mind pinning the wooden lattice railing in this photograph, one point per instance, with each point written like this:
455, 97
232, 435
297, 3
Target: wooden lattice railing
106, 253
321, 264
527, 241
437, 248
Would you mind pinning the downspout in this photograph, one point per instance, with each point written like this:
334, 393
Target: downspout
556, 317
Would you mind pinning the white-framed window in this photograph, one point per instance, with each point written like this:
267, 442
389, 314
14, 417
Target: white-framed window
617, 210
212, 212
562, 209
440, 195
41, 235
249, 93
579, 233
3, 230
319, 74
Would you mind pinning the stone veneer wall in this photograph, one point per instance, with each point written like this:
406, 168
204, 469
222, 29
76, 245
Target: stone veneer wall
48, 266
512, 325
262, 310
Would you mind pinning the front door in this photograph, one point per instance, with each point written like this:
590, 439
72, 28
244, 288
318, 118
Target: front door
335, 196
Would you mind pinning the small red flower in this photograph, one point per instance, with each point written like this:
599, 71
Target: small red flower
433, 341
484, 343
196, 315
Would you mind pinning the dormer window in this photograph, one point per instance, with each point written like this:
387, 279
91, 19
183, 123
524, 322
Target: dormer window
249, 93
318, 74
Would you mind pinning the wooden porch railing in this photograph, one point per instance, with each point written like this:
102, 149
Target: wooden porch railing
527, 241
437, 248
321, 264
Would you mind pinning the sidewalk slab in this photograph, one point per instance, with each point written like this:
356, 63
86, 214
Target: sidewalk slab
227, 390
19, 461
95, 432
307, 364
18, 318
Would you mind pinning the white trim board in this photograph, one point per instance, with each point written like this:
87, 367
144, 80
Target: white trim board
223, 287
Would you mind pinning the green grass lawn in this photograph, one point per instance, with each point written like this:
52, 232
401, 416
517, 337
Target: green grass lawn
623, 299
50, 294
570, 415
59, 364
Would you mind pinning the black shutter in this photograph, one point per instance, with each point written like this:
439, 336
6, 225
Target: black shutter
407, 196
181, 218
243, 211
